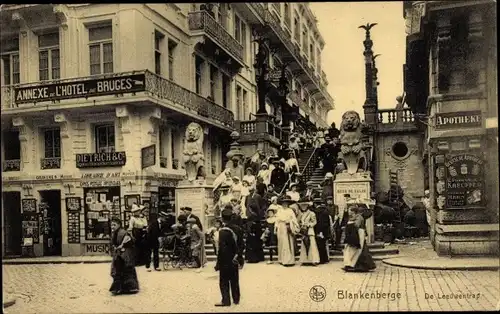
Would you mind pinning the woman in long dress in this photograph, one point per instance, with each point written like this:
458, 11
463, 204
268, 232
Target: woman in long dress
123, 263
264, 173
357, 258
309, 254
138, 229
197, 243
286, 227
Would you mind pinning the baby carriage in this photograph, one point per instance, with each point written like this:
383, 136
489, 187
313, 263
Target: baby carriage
177, 252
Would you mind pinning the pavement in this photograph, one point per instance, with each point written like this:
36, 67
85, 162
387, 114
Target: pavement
83, 288
419, 254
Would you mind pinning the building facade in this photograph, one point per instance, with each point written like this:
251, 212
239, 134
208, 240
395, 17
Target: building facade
95, 103
451, 84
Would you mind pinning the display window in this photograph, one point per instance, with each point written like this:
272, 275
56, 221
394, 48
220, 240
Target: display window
166, 198
100, 205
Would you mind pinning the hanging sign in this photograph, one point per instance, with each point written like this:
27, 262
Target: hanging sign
148, 156
81, 89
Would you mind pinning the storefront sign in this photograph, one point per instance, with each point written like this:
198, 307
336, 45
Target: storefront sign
96, 184
94, 160
167, 183
464, 180
97, 249
459, 119
79, 89
148, 156
28, 205
48, 177
101, 175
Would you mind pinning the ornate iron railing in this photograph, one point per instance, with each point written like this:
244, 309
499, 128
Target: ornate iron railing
180, 96
202, 21
260, 9
387, 116
12, 165
50, 163
307, 171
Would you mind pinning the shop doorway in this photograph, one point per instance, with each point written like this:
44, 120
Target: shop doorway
50, 209
11, 206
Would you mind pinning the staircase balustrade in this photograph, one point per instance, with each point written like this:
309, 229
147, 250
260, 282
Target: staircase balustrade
307, 171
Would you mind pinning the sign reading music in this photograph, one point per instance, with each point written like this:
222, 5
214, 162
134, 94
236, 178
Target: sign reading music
94, 160
85, 88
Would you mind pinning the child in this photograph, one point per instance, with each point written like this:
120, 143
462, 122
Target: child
213, 235
269, 236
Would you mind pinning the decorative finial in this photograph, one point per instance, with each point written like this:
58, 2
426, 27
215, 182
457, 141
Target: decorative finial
367, 28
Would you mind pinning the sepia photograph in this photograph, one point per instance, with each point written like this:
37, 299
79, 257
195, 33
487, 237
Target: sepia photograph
249, 157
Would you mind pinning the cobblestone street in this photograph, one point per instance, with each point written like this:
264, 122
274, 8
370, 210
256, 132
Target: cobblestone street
83, 288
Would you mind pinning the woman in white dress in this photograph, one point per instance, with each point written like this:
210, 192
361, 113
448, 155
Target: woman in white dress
265, 173
294, 195
309, 254
286, 227
249, 177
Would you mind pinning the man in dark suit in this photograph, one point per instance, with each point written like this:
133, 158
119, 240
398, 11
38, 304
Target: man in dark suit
188, 211
153, 233
322, 230
228, 261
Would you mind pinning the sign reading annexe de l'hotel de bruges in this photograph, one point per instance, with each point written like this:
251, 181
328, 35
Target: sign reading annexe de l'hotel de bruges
85, 88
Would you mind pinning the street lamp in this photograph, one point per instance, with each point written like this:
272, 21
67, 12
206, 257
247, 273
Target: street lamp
261, 70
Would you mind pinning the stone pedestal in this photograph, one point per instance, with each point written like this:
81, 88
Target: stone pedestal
197, 195
358, 185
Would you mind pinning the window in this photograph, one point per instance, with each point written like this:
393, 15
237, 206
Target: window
318, 55
239, 103
311, 52
400, 149
240, 30
10, 60
105, 138
101, 49
165, 139
174, 140
171, 56
305, 44
52, 143
214, 157
296, 30
198, 65
288, 14
245, 106
222, 15
48, 57
213, 80
237, 28
225, 91
277, 8
158, 44
12, 151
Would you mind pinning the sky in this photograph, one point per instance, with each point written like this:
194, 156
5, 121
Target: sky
342, 57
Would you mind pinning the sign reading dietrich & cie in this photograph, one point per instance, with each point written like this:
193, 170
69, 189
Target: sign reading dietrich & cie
95, 160
459, 119
119, 84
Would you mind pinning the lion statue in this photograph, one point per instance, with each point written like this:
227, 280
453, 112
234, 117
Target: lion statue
193, 150
352, 148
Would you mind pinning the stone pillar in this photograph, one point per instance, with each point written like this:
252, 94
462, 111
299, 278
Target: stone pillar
370, 106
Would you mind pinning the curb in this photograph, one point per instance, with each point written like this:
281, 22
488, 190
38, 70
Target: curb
8, 303
444, 267
34, 262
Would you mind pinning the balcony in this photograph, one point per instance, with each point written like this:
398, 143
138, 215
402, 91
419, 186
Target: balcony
147, 87
256, 130
391, 120
202, 22
50, 163
12, 165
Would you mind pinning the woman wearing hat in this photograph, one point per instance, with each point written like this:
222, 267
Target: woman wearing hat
327, 186
356, 255
138, 228
197, 242
123, 263
286, 227
236, 188
293, 194
264, 173
249, 177
309, 254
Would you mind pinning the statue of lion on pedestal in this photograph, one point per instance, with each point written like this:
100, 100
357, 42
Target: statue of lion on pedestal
352, 148
193, 150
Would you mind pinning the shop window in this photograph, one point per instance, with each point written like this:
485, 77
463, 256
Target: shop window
48, 56
105, 138
101, 49
400, 149
10, 60
100, 205
166, 199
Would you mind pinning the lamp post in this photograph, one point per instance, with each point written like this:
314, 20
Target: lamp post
283, 90
261, 71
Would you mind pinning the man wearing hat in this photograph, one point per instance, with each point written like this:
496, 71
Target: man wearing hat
327, 186
188, 211
310, 192
322, 230
229, 260
153, 235
278, 175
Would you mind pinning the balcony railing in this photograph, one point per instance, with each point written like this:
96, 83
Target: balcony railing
202, 21
50, 163
166, 89
387, 116
12, 165
155, 85
253, 127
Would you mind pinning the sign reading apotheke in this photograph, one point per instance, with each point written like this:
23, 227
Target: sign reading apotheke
84, 88
459, 119
94, 160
